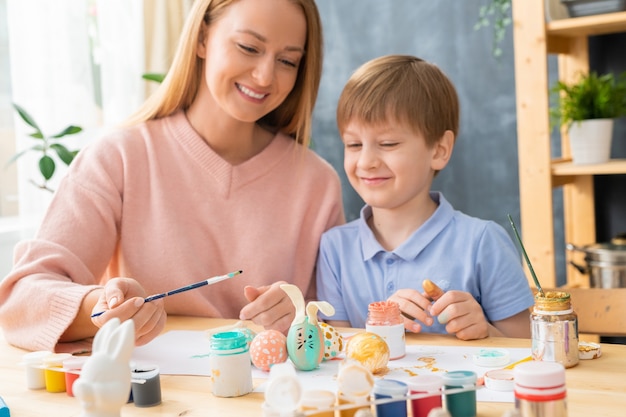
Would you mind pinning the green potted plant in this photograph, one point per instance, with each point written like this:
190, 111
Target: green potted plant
47, 146
586, 109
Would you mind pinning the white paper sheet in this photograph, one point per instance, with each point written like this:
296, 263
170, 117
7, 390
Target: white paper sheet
183, 352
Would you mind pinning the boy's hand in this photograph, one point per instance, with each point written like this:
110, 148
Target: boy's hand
414, 306
461, 314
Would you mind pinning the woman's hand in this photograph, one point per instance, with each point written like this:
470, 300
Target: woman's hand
269, 307
124, 298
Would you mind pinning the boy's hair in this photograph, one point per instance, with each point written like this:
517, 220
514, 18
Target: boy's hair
401, 89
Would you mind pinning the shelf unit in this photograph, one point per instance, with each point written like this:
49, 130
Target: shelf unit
534, 40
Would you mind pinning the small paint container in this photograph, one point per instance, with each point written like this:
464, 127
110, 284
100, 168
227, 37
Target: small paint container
148, 392
35, 375
318, 403
461, 404
53, 372
500, 380
385, 319
355, 383
589, 350
283, 392
425, 384
492, 358
230, 364
392, 390
72, 367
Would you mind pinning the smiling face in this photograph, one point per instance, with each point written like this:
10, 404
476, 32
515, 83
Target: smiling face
390, 165
252, 53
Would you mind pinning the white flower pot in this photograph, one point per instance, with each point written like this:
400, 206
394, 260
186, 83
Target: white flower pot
590, 141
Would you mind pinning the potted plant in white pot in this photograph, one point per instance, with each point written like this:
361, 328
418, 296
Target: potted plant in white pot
587, 109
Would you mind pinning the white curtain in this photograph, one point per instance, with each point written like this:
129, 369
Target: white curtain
72, 62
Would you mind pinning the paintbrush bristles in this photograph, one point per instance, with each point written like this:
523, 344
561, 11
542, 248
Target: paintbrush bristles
530, 267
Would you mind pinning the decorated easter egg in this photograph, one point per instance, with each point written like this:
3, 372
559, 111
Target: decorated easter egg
305, 345
370, 350
333, 341
268, 347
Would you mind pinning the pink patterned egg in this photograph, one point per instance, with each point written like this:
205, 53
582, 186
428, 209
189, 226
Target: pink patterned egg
267, 348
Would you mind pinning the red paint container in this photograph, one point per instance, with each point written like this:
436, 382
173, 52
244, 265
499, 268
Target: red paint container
425, 384
72, 367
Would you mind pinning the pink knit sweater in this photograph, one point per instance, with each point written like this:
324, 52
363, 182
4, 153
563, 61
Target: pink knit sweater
155, 203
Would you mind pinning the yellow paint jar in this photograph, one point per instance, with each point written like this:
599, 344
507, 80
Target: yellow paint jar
53, 372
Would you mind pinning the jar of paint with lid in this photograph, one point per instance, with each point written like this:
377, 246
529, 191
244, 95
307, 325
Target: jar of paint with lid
230, 365
385, 319
390, 389
429, 386
540, 389
460, 404
554, 326
34, 363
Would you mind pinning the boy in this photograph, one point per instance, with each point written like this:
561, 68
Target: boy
398, 117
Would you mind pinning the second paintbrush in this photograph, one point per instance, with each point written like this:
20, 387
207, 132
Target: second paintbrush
209, 281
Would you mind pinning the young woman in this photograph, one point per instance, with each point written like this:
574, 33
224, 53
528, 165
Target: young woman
212, 175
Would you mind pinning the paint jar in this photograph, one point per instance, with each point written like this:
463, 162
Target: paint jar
392, 390
53, 371
385, 319
540, 389
230, 366
354, 383
426, 385
145, 386
283, 392
554, 326
72, 367
318, 403
35, 376
461, 404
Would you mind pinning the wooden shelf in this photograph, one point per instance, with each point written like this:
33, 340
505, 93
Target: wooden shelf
568, 168
539, 173
601, 24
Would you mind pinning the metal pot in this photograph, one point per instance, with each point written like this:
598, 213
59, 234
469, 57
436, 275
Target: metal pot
606, 263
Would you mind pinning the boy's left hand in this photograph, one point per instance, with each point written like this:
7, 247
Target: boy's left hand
461, 314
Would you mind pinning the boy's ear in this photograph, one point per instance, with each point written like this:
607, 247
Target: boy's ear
443, 151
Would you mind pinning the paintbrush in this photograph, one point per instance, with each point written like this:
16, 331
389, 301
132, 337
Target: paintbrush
530, 267
209, 281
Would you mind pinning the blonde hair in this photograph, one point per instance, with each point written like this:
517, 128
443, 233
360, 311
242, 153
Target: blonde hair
180, 86
403, 89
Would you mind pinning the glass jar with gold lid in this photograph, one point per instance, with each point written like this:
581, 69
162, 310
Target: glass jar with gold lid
554, 326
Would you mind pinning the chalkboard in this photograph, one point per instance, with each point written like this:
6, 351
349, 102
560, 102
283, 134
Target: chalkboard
482, 178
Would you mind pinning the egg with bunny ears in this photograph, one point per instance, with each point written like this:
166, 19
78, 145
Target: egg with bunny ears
268, 348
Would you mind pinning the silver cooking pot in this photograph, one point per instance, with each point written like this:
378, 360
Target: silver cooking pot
605, 263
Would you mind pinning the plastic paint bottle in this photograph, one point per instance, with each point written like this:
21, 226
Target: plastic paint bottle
321, 401
35, 376
354, 382
72, 367
230, 366
391, 389
540, 389
425, 384
462, 404
55, 378
148, 393
385, 319
554, 326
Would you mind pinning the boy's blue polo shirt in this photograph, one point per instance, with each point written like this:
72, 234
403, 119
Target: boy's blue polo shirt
454, 250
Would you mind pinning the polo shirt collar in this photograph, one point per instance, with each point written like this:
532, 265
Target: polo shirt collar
417, 241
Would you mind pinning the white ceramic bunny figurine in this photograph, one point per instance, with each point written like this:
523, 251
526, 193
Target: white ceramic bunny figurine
104, 383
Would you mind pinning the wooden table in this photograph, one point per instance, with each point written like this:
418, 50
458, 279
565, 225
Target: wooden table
594, 387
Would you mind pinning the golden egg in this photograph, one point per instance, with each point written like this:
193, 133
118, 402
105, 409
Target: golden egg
370, 350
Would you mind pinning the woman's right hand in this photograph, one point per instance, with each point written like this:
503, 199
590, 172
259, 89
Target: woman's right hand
124, 298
